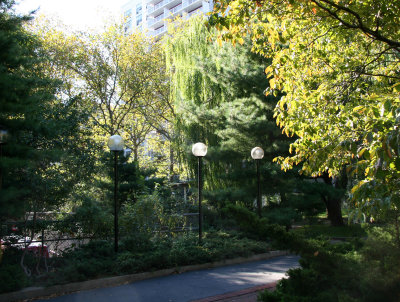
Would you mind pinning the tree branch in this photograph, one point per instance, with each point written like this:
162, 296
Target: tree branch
360, 24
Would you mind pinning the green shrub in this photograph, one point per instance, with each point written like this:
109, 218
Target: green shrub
282, 216
344, 272
12, 278
381, 263
136, 242
89, 218
149, 214
312, 231
139, 254
246, 220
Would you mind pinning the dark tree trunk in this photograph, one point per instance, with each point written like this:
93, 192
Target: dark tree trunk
171, 163
283, 197
333, 204
135, 154
334, 211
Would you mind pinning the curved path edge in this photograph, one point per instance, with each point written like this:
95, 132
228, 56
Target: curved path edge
56, 290
237, 294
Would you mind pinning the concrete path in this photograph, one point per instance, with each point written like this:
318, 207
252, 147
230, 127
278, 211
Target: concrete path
190, 286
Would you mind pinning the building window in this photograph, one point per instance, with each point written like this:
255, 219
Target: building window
128, 14
138, 9
138, 20
128, 26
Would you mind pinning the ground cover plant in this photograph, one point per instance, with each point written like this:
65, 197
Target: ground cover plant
359, 270
139, 253
345, 232
362, 267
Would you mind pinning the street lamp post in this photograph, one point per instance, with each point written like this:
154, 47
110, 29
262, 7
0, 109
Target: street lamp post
257, 154
3, 139
199, 150
116, 144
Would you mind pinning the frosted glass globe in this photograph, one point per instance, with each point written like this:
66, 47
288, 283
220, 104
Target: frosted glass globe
257, 153
199, 150
115, 143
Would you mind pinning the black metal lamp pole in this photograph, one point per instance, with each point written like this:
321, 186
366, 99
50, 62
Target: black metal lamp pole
115, 201
257, 153
258, 188
1, 170
199, 150
3, 138
116, 144
199, 186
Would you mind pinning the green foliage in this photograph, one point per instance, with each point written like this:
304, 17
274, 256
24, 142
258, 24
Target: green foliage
359, 271
152, 213
337, 64
90, 261
120, 79
40, 162
381, 255
346, 231
282, 215
144, 216
89, 219
218, 93
137, 242
12, 276
246, 220
139, 254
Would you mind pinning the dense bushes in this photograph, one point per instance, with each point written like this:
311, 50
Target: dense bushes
11, 274
359, 270
344, 272
140, 254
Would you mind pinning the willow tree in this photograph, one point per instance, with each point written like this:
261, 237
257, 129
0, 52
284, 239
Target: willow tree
218, 95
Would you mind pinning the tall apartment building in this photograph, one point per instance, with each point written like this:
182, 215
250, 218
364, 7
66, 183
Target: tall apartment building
151, 15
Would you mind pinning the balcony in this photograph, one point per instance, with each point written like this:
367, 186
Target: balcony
191, 5
188, 2
168, 9
158, 31
159, 7
176, 9
194, 12
172, 2
153, 21
155, 7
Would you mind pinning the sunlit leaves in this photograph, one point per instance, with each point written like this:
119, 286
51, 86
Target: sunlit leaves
338, 66
120, 79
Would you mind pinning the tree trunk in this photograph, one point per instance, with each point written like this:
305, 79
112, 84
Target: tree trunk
334, 211
333, 204
171, 163
136, 154
283, 197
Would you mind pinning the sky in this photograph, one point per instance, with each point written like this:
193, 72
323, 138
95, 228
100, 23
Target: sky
78, 14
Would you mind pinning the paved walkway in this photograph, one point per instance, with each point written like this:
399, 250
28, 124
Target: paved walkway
221, 283
246, 295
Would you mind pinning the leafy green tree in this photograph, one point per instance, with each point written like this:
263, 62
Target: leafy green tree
219, 99
116, 76
337, 64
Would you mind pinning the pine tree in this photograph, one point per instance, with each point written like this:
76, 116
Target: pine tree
43, 156
218, 90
